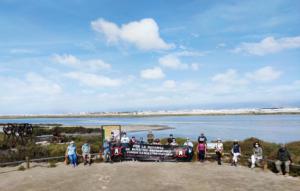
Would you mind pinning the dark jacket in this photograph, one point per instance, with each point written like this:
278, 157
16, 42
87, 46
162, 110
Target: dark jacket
202, 138
283, 155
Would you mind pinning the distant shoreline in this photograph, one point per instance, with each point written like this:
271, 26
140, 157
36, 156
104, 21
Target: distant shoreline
267, 111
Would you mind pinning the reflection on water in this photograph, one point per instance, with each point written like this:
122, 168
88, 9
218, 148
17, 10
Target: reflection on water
275, 128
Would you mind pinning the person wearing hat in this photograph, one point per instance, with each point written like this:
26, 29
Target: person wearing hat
190, 148
202, 138
150, 137
71, 153
188, 143
170, 139
219, 151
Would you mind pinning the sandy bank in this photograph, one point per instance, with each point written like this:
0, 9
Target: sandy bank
145, 176
246, 111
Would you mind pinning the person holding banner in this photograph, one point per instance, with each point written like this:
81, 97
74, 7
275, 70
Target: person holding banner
106, 150
125, 140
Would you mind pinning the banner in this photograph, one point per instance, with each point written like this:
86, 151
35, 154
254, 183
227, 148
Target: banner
153, 152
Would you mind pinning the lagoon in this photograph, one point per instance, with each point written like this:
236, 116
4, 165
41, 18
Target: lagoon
274, 128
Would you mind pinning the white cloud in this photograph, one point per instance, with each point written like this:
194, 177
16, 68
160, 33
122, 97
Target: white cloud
144, 34
32, 84
72, 61
169, 84
228, 77
173, 61
152, 73
268, 45
93, 80
22, 51
264, 74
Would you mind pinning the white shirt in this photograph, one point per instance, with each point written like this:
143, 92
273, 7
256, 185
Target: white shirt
219, 147
189, 143
124, 139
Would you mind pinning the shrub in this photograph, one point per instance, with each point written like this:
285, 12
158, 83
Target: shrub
21, 168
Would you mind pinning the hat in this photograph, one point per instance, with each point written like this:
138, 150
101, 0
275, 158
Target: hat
72, 142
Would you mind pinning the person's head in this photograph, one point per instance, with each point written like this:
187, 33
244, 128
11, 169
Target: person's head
202, 134
157, 140
282, 146
187, 139
235, 142
219, 140
171, 135
133, 137
256, 144
72, 143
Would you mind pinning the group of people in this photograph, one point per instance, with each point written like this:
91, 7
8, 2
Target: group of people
283, 155
71, 154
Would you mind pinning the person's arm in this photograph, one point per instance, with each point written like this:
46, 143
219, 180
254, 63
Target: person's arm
66, 153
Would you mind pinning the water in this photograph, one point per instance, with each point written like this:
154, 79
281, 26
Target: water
274, 128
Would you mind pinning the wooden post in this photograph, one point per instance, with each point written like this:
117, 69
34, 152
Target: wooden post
265, 165
27, 162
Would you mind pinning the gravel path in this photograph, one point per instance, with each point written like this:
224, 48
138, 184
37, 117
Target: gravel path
145, 176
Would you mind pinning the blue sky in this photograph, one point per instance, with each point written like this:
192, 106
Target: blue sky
86, 56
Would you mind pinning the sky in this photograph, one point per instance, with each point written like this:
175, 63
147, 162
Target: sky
70, 56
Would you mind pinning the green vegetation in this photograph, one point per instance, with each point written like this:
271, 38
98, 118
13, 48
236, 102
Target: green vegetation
21, 168
33, 150
37, 131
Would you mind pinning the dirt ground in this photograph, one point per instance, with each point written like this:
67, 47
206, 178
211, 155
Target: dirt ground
144, 176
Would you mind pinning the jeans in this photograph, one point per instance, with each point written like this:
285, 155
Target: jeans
106, 154
201, 155
278, 164
73, 159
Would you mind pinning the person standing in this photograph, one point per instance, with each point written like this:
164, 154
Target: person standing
150, 137
125, 140
257, 154
71, 153
283, 157
236, 152
202, 137
106, 150
219, 151
201, 151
